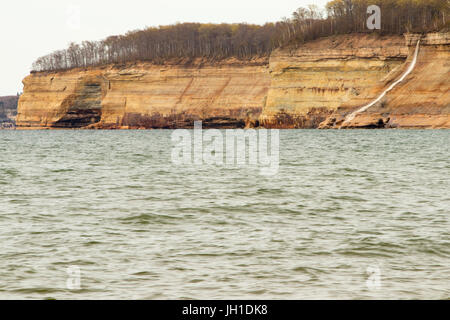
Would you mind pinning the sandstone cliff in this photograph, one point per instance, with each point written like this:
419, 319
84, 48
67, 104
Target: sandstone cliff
142, 95
311, 82
317, 84
421, 100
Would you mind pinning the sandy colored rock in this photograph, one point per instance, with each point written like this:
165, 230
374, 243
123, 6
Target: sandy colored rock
143, 95
315, 85
311, 82
421, 101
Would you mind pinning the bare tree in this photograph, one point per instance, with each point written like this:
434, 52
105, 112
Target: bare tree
245, 41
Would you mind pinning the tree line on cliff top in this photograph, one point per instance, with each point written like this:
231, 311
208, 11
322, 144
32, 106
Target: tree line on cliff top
244, 41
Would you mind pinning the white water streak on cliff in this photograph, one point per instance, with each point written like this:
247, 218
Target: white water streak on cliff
392, 86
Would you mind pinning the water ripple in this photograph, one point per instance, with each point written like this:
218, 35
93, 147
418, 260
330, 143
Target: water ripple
111, 203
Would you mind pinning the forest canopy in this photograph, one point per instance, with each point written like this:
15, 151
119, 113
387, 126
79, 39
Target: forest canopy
245, 41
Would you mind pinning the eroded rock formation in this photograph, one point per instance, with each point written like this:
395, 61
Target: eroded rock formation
421, 100
311, 82
315, 85
142, 95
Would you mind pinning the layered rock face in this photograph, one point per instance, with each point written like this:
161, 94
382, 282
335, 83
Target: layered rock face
311, 82
420, 101
69, 99
142, 95
316, 85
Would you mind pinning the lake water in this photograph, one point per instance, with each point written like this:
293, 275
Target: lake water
351, 214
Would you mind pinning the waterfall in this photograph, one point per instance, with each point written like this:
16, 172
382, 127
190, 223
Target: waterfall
392, 86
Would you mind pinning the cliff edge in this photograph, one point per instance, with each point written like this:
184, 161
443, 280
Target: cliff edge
316, 85
419, 100
144, 95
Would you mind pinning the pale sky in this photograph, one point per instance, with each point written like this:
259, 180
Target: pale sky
30, 29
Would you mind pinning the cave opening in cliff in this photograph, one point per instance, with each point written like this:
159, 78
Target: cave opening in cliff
86, 108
